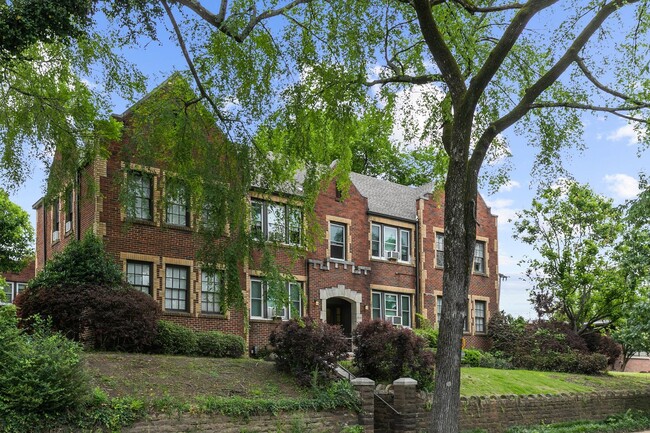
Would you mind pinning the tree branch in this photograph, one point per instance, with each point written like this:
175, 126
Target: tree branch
580, 106
583, 67
218, 20
544, 82
190, 63
443, 57
502, 49
419, 79
472, 9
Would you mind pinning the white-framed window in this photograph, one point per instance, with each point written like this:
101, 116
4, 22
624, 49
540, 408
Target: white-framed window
139, 275
55, 221
20, 287
211, 285
388, 242
176, 287
392, 307
480, 308
439, 310
178, 203
278, 222
140, 186
8, 288
479, 257
440, 250
338, 240
264, 308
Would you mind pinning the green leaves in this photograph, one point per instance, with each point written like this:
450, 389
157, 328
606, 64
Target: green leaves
575, 276
16, 236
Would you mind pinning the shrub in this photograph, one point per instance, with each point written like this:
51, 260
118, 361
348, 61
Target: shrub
64, 307
605, 345
41, 374
567, 362
472, 357
219, 345
385, 353
504, 332
173, 339
108, 318
430, 336
122, 319
308, 349
81, 263
82, 292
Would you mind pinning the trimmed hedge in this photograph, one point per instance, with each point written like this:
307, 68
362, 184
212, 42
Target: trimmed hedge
219, 345
173, 339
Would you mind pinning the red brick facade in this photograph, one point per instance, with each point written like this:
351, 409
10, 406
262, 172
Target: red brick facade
368, 281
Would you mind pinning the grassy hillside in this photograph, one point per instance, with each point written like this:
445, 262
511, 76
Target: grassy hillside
486, 381
149, 377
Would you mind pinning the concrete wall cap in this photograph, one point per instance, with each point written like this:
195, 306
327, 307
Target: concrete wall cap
405, 381
362, 381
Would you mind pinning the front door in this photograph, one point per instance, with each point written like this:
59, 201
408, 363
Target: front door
339, 312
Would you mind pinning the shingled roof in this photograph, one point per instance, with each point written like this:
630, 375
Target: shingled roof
389, 198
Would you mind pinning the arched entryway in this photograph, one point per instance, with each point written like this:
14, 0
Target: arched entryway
339, 312
341, 306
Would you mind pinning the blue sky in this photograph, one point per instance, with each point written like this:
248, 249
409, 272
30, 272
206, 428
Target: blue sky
610, 165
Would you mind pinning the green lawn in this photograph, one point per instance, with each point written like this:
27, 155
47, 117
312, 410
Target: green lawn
486, 381
149, 376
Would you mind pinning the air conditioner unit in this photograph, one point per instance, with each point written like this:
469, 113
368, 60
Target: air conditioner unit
392, 255
68, 226
276, 312
396, 320
55, 236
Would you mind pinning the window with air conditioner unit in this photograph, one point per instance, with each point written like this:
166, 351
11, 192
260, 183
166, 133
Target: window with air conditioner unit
392, 307
392, 255
391, 243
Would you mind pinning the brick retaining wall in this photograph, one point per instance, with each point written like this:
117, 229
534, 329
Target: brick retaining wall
313, 422
394, 413
496, 414
400, 408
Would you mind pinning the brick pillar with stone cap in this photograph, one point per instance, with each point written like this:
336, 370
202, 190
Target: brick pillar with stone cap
406, 403
366, 389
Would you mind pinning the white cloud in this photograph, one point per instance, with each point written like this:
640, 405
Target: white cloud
626, 132
622, 186
509, 186
414, 129
503, 209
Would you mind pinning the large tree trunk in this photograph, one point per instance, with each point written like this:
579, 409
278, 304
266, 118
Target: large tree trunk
460, 234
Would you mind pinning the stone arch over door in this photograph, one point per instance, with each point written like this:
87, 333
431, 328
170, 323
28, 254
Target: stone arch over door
340, 292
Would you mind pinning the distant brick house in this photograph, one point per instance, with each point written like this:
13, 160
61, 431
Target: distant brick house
381, 256
16, 282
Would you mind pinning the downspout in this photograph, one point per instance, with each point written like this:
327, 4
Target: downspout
308, 289
77, 204
44, 234
418, 309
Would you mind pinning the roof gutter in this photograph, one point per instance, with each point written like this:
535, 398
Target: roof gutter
383, 215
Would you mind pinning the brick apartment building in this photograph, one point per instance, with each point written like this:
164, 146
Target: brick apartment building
381, 255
